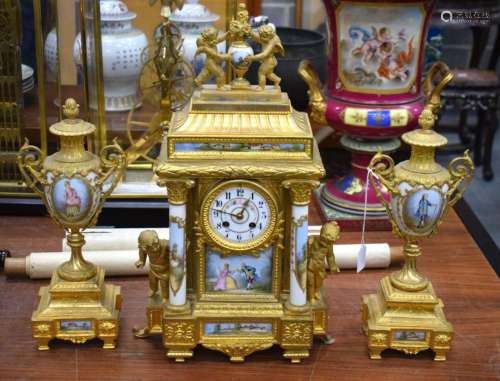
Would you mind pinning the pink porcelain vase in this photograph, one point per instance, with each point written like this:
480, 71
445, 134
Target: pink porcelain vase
374, 91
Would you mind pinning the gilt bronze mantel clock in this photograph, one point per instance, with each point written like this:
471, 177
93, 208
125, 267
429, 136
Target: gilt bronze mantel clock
240, 167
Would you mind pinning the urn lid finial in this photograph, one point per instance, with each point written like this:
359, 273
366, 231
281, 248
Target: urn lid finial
425, 136
72, 126
71, 109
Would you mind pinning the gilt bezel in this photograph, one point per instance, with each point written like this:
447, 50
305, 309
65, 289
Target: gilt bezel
215, 239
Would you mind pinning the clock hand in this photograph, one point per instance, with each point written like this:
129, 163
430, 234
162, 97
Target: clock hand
223, 211
243, 208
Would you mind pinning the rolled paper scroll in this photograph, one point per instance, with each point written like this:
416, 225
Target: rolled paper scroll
122, 262
42, 265
126, 238
114, 239
378, 255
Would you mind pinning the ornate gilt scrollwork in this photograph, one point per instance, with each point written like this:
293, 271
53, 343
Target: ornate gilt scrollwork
178, 190
381, 171
378, 338
113, 163
433, 93
30, 162
462, 173
297, 333
42, 330
179, 332
300, 190
107, 327
317, 102
238, 352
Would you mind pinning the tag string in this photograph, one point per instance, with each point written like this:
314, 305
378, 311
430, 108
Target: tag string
368, 171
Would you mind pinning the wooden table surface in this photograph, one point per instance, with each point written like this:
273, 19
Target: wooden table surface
461, 277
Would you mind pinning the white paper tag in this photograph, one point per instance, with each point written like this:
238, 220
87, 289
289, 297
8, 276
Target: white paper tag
361, 261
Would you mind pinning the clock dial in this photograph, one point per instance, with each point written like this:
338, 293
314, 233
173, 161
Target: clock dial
239, 215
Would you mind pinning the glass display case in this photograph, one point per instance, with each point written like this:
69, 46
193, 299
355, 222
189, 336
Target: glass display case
99, 53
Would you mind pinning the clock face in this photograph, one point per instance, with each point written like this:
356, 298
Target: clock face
239, 215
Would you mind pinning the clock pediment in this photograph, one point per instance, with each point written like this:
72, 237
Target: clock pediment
240, 135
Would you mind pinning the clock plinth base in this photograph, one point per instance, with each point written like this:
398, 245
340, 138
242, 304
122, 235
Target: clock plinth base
291, 330
406, 321
77, 311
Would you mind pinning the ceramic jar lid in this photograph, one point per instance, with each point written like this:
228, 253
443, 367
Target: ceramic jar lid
115, 10
193, 12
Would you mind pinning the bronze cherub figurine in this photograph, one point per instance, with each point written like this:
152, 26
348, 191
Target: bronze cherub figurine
271, 45
157, 251
207, 43
321, 248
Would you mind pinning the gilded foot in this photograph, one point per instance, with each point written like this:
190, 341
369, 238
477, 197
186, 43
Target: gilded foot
43, 344
375, 353
296, 357
440, 356
141, 332
237, 359
109, 343
179, 355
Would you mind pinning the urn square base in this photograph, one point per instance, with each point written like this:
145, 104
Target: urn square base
410, 322
77, 311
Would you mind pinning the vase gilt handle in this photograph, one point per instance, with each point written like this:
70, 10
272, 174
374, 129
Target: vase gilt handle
433, 93
30, 162
113, 164
462, 173
317, 102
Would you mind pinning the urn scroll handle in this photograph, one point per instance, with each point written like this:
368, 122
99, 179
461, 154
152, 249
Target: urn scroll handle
381, 168
30, 162
114, 161
462, 173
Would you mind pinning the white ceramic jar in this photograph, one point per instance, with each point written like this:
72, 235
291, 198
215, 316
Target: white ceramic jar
193, 19
122, 55
50, 54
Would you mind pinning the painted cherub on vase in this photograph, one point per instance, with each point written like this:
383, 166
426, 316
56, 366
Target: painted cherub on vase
157, 251
321, 248
271, 45
207, 43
